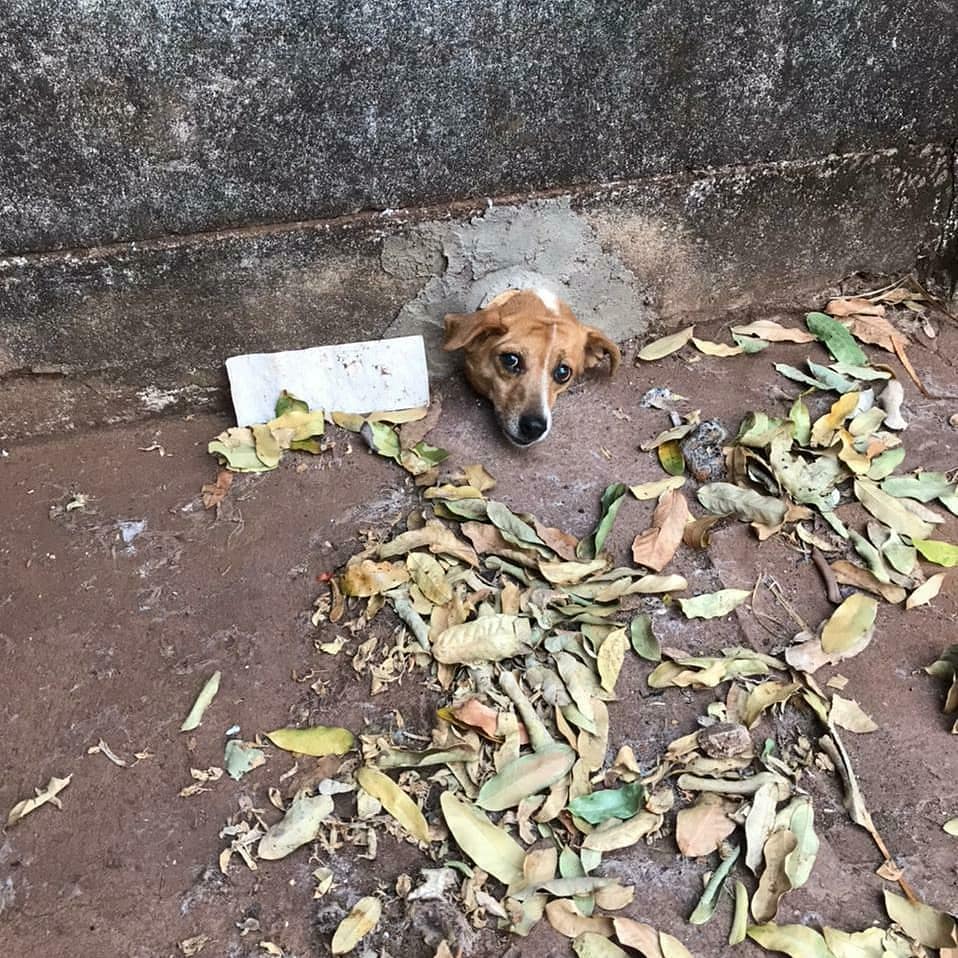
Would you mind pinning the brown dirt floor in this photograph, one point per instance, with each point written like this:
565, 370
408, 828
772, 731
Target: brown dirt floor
100, 639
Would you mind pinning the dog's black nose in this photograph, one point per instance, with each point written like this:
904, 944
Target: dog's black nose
532, 428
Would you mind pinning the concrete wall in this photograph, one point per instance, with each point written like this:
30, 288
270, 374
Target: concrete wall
182, 181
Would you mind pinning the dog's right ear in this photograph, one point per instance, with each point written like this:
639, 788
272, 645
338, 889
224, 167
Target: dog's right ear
465, 328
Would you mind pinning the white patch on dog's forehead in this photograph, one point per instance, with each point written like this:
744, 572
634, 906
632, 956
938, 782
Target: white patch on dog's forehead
548, 299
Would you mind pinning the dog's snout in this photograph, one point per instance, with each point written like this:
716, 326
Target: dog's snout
532, 428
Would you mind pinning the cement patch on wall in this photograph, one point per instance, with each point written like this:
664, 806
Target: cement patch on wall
159, 318
542, 244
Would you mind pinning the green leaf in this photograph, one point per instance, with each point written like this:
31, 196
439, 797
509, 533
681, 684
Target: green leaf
923, 487
287, 402
241, 757
796, 375
527, 775
727, 499
671, 457
513, 529
643, 639
941, 553
237, 448
609, 506
709, 900
609, 803
299, 826
836, 338
831, 379
749, 344
800, 416
381, 438
886, 463
800, 861
712, 605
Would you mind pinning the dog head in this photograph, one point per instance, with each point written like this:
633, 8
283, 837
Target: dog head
521, 351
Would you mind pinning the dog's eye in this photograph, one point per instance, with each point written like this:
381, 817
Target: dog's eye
511, 362
562, 373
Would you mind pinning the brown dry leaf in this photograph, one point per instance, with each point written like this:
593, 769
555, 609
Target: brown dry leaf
655, 547
774, 881
698, 533
415, 430
614, 897
474, 714
847, 573
845, 306
356, 925
636, 934
700, 830
215, 492
774, 332
561, 543
367, 578
610, 836
571, 573
567, 920
434, 535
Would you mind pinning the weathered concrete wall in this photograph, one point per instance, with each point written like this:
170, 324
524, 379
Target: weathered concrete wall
154, 322
125, 120
180, 182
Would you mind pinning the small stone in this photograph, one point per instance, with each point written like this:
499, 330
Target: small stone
725, 740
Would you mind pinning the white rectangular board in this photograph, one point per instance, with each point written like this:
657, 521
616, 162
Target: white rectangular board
365, 377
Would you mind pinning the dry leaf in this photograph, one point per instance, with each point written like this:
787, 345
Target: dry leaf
202, 703
656, 547
215, 492
924, 924
845, 306
317, 740
700, 830
489, 639
774, 881
652, 490
488, 845
848, 714
567, 920
298, 827
356, 925
665, 346
527, 775
926, 591
395, 801
774, 332
367, 578
849, 623
716, 349
44, 795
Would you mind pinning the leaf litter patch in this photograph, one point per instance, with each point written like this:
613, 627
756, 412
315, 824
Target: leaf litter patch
521, 633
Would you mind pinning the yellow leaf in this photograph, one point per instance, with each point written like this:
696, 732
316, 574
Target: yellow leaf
488, 845
395, 801
203, 700
652, 490
610, 658
667, 345
356, 925
848, 714
926, 591
318, 740
774, 332
716, 349
824, 428
849, 623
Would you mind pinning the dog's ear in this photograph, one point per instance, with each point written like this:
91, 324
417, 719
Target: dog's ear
597, 347
465, 328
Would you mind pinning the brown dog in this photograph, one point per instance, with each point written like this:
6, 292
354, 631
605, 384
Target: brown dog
522, 350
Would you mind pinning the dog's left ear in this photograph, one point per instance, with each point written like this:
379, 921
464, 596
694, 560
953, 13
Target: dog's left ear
597, 347
464, 328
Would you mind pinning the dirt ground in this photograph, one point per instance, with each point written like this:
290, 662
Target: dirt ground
110, 639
